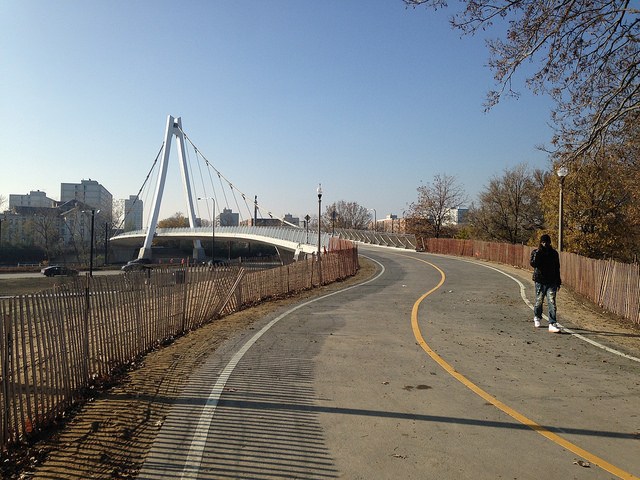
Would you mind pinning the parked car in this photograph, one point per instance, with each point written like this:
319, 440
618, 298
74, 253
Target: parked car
137, 264
55, 270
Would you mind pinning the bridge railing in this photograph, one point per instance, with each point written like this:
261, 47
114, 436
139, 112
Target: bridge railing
56, 343
387, 239
288, 234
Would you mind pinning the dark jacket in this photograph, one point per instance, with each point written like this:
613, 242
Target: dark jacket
546, 266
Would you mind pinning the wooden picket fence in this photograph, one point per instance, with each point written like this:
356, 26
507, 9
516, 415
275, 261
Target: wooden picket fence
612, 285
56, 344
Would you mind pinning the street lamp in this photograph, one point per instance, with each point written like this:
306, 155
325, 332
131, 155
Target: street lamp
562, 172
93, 218
333, 222
213, 223
319, 190
375, 219
306, 225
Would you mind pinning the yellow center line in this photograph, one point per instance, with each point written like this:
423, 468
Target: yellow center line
594, 459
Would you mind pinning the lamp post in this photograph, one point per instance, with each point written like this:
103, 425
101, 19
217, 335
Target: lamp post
333, 222
306, 225
375, 219
562, 173
213, 223
91, 242
106, 243
319, 190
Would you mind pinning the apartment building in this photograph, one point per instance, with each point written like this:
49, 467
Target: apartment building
91, 193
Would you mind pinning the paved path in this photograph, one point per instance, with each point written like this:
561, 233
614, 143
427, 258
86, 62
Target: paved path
381, 381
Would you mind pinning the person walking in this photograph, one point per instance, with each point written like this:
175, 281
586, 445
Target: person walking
546, 275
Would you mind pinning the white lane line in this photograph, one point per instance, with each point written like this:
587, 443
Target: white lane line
198, 441
568, 330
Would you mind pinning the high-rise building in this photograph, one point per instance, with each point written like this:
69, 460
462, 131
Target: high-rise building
133, 213
91, 193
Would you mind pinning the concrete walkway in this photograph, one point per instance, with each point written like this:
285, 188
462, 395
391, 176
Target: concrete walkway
382, 381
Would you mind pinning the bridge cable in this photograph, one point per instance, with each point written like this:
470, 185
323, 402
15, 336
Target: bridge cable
192, 179
221, 176
204, 188
213, 189
144, 183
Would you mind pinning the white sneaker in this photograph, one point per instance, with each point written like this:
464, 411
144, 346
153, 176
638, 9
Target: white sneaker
536, 322
553, 328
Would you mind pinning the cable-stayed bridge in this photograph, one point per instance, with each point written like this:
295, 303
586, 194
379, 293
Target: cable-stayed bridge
289, 238
292, 238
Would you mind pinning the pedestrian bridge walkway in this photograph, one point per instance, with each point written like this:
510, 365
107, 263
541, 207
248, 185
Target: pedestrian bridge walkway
288, 238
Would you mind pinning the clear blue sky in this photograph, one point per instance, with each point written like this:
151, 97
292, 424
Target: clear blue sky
367, 97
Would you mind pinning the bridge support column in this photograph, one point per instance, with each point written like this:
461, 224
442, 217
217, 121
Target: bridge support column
198, 254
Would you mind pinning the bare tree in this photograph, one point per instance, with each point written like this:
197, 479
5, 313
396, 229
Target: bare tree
435, 202
45, 228
344, 214
509, 208
586, 56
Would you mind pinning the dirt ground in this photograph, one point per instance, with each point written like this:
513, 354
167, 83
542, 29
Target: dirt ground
109, 436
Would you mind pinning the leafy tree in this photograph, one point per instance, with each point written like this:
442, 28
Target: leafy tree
177, 220
347, 215
585, 55
509, 207
601, 207
430, 213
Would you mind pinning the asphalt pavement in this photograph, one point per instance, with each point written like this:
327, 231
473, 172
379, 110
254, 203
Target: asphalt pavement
431, 369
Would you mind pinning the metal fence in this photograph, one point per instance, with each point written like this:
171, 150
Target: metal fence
612, 285
57, 343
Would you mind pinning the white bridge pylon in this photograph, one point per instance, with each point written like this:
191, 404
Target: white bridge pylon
174, 128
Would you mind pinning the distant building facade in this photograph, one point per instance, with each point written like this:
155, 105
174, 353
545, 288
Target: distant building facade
290, 219
228, 218
53, 228
133, 213
91, 193
32, 199
457, 216
37, 220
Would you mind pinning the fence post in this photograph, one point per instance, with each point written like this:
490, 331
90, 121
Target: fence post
181, 275
85, 345
6, 359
